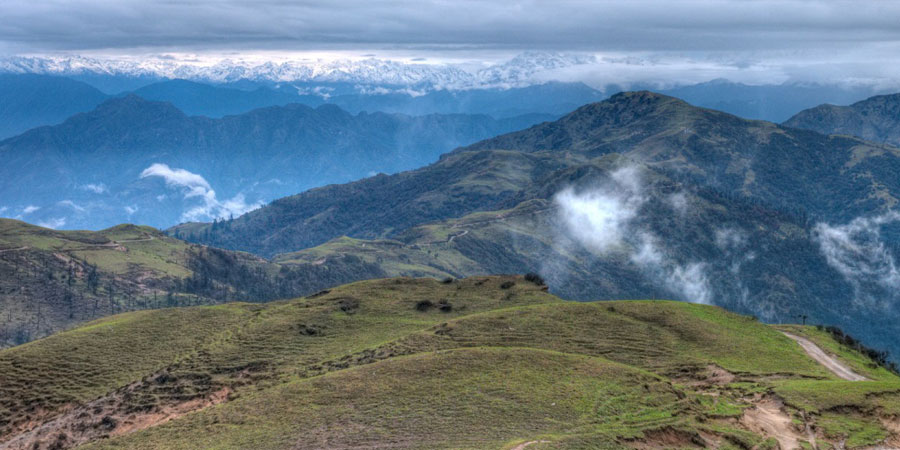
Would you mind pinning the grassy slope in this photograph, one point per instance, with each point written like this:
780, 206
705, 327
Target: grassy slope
46, 281
362, 364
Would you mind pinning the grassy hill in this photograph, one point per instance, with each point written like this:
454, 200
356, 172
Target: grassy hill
484, 362
51, 280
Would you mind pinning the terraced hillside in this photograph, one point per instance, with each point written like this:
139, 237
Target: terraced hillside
483, 362
51, 280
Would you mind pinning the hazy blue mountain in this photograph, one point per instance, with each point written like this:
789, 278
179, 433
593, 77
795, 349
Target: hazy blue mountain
216, 101
774, 103
876, 119
29, 100
92, 170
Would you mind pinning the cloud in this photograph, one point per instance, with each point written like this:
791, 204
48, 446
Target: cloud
30, 209
605, 220
3, 209
690, 281
53, 223
130, 209
859, 253
599, 218
71, 204
708, 39
97, 188
194, 186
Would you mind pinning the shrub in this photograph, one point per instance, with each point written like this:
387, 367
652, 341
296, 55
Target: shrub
445, 306
507, 284
424, 305
447, 280
348, 305
535, 278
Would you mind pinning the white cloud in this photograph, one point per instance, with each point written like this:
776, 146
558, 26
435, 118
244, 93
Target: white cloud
689, 281
194, 186
603, 219
131, 209
3, 209
53, 223
730, 238
97, 188
858, 252
599, 217
71, 204
30, 209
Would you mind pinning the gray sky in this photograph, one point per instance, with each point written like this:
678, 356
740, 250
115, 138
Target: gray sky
786, 39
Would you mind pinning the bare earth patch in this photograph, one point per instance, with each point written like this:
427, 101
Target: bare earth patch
767, 417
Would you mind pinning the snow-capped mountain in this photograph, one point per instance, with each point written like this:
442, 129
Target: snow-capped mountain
519, 71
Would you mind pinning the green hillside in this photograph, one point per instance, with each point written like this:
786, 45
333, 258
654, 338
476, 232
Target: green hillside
51, 280
483, 362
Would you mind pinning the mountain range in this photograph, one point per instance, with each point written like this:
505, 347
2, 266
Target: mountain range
133, 160
640, 195
370, 71
29, 100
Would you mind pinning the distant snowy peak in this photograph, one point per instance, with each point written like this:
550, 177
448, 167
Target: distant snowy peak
524, 68
519, 71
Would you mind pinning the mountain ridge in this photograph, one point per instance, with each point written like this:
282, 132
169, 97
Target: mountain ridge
874, 119
246, 159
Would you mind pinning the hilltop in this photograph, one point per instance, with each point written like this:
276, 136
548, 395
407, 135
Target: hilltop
486, 362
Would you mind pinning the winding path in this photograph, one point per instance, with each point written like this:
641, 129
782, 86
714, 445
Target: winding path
837, 367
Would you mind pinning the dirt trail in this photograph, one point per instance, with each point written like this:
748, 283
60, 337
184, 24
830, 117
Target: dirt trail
768, 418
837, 367
14, 249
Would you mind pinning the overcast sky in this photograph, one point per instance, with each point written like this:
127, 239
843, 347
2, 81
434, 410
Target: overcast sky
757, 39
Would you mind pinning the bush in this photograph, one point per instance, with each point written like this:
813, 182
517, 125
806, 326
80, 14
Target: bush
424, 305
348, 305
445, 306
535, 278
447, 280
507, 284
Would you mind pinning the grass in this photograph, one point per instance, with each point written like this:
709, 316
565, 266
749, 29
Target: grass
371, 363
470, 398
90, 361
657, 335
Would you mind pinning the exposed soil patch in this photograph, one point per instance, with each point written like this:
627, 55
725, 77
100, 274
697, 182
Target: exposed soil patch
147, 403
767, 417
669, 438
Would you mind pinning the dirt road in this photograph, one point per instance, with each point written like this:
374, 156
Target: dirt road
837, 367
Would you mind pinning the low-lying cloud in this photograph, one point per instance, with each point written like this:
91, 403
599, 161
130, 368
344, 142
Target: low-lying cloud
603, 219
859, 253
195, 188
